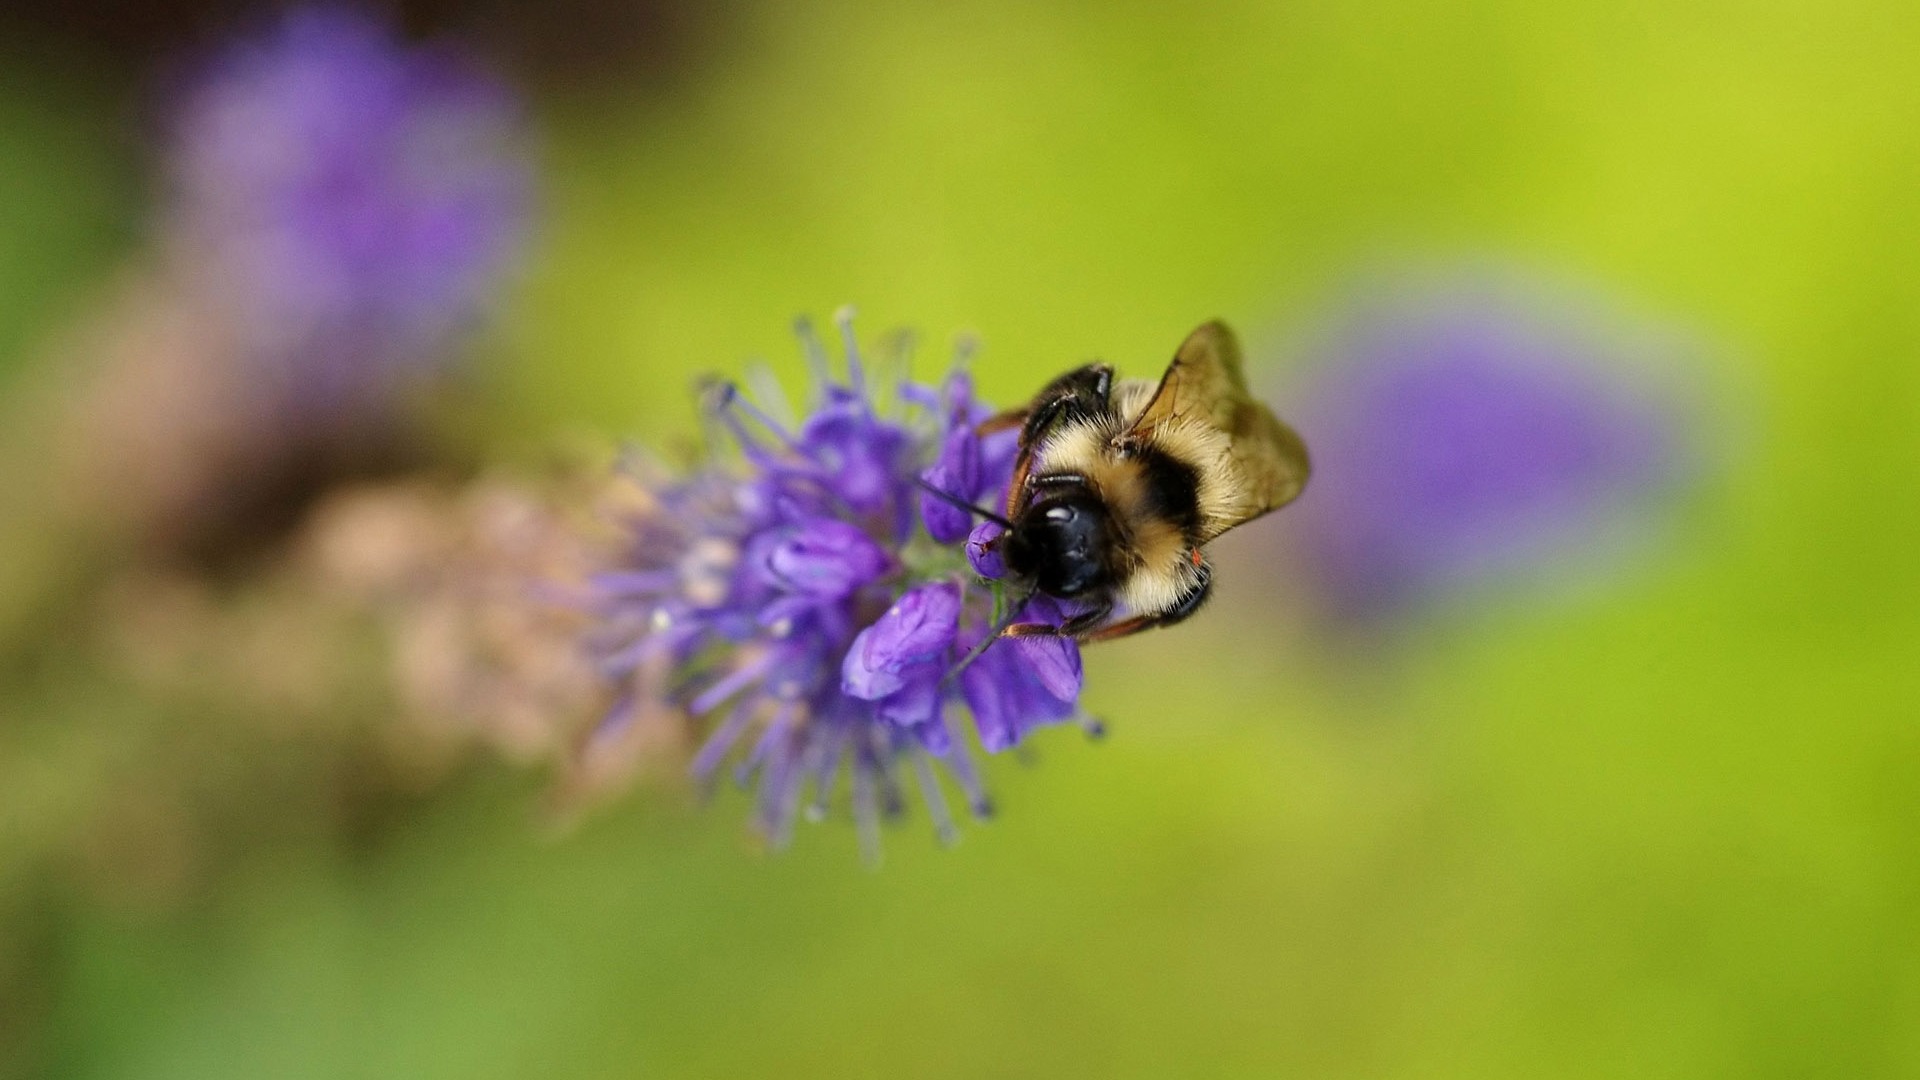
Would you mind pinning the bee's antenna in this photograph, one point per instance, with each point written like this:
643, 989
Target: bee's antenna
993, 634
950, 497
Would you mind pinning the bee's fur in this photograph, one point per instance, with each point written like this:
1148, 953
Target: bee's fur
1163, 493
1119, 483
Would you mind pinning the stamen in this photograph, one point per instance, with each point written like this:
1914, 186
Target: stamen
884, 755
856, 375
892, 362
959, 761
746, 404
725, 404
825, 774
721, 742
966, 345
730, 684
616, 664
627, 584
816, 354
817, 482
767, 389
656, 643
780, 795
936, 799
866, 813
762, 747
923, 397
617, 719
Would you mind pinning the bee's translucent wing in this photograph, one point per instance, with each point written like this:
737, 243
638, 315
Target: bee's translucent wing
1271, 459
1205, 382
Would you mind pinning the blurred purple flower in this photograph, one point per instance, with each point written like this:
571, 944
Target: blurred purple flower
786, 594
353, 199
1463, 436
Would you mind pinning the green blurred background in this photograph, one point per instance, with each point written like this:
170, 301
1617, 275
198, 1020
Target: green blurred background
1665, 828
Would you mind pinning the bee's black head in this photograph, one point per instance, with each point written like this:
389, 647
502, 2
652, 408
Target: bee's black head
1061, 543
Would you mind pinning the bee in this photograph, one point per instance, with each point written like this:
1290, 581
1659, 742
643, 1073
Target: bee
1118, 485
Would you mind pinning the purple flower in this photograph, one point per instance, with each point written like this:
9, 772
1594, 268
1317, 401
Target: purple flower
982, 553
957, 470
1019, 684
968, 467
823, 558
353, 200
797, 597
1461, 437
914, 634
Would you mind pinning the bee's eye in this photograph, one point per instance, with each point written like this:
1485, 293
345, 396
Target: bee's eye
1066, 541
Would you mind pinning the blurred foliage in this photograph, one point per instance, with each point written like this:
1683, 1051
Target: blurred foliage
1665, 829
67, 187
582, 44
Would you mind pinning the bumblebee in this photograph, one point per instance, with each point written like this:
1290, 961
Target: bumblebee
1118, 485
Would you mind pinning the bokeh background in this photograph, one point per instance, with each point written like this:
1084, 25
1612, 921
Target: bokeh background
1639, 803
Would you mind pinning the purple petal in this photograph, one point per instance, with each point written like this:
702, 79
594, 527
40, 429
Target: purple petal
825, 558
960, 401
862, 454
957, 472
916, 702
918, 629
997, 452
932, 734
990, 697
983, 553
1054, 662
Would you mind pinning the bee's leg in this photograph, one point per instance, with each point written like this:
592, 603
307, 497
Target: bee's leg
1005, 421
1080, 393
1124, 628
1059, 480
1087, 619
1073, 627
